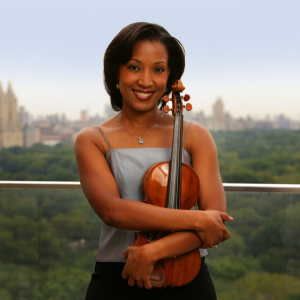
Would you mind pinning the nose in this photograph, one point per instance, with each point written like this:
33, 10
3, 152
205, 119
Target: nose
145, 80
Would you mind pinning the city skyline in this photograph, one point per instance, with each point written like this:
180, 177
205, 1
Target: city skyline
18, 128
43, 114
245, 52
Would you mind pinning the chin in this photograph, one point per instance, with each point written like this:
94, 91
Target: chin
143, 107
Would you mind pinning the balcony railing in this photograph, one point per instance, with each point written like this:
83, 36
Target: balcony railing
49, 236
75, 185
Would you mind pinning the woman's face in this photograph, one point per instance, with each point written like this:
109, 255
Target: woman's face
143, 79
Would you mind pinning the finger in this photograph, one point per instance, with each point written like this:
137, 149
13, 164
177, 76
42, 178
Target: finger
204, 246
210, 240
226, 235
139, 283
124, 275
225, 217
148, 284
206, 241
131, 281
217, 242
125, 254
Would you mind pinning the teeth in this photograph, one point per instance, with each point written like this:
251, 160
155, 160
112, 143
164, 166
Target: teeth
143, 95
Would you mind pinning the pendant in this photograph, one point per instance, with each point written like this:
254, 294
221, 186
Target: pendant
141, 141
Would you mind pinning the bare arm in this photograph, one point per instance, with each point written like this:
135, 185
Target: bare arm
102, 193
212, 196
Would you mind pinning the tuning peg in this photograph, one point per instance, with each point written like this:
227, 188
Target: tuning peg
186, 97
188, 106
166, 109
166, 98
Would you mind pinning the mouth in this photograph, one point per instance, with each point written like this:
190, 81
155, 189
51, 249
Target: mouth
143, 95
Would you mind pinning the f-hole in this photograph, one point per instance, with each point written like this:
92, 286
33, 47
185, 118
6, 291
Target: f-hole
151, 239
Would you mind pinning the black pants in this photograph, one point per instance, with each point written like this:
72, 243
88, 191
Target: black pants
107, 284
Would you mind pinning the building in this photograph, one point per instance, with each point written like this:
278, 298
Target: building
23, 116
31, 135
218, 116
10, 127
83, 116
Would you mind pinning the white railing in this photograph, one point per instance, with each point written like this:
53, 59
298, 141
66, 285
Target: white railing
75, 185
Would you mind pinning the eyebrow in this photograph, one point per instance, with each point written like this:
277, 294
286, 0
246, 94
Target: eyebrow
154, 63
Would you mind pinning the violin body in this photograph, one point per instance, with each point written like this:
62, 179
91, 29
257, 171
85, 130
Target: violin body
184, 268
173, 185
155, 184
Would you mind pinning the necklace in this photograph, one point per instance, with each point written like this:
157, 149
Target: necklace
140, 138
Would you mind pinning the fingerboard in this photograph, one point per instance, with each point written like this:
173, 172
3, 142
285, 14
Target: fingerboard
174, 184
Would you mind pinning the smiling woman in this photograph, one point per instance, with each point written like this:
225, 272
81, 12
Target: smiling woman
140, 66
119, 53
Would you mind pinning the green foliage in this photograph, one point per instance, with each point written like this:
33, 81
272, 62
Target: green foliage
39, 163
261, 260
49, 238
253, 156
48, 244
61, 284
257, 285
4, 295
227, 268
259, 156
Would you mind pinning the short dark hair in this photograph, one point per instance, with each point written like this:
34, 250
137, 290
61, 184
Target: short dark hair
119, 52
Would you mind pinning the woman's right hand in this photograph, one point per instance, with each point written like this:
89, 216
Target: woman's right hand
212, 230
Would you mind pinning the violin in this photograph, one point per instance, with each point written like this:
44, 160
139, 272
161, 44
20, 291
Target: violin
172, 185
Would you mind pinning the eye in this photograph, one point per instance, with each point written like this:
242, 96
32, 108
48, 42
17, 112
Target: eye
133, 67
159, 70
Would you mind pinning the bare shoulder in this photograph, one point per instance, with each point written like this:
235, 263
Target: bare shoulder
92, 136
199, 139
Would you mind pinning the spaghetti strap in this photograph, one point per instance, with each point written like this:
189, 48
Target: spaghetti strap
104, 137
186, 134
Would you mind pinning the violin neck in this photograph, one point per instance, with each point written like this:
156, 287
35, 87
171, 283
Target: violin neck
174, 184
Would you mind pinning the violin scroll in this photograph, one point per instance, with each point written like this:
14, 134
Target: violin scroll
176, 99
178, 86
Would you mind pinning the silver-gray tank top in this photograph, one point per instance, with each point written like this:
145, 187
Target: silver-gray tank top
128, 167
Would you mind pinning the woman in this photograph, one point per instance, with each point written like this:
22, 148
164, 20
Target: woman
140, 66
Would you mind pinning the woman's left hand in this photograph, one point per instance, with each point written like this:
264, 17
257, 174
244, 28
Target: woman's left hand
139, 267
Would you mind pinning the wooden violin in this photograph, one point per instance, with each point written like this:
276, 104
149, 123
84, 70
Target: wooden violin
172, 185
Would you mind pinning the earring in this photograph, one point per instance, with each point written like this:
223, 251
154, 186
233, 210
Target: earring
117, 85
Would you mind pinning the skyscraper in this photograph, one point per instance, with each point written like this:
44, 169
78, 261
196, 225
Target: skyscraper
10, 128
218, 116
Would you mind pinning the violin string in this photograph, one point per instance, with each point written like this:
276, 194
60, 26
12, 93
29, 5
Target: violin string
139, 138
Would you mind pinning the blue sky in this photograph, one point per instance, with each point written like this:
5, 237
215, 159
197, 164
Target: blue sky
246, 52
